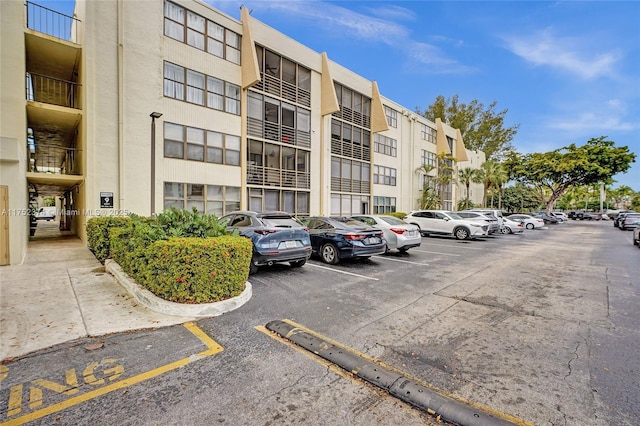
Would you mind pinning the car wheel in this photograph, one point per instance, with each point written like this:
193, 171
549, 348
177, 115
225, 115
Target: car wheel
253, 268
461, 233
506, 230
530, 226
298, 263
403, 250
329, 254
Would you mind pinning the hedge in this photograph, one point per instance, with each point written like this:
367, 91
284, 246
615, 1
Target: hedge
179, 269
98, 234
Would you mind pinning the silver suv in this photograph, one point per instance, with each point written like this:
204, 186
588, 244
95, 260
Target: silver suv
445, 222
483, 218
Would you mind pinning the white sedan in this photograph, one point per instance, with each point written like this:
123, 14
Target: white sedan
399, 234
510, 226
530, 222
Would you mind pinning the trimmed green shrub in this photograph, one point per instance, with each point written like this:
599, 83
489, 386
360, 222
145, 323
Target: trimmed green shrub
399, 215
183, 257
196, 270
98, 229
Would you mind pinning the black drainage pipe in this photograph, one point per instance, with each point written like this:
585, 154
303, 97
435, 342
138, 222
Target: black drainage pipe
395, 383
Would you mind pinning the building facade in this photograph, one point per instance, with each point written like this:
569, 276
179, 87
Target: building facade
136, 107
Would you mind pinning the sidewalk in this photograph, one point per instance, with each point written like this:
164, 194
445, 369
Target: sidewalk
61, 293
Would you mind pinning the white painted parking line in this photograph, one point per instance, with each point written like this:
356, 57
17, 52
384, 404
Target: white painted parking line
402, 261
342, 272
435, 252
459, 245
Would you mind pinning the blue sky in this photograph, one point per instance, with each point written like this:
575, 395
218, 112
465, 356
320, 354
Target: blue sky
565, 71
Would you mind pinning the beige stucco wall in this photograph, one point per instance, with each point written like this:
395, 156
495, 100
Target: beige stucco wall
13, 123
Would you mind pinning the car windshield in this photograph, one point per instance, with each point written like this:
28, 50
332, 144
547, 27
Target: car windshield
350, 221
453, 215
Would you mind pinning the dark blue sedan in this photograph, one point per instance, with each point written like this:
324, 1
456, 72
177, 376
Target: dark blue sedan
335, 238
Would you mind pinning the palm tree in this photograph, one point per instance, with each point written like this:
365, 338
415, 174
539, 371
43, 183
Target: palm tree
465, 177
436, 180
487, 176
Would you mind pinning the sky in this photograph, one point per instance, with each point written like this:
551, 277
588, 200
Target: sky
565, 71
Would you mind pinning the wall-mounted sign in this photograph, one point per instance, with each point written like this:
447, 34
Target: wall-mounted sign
106, 200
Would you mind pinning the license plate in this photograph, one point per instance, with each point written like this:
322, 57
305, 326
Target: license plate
373, 240
290, 244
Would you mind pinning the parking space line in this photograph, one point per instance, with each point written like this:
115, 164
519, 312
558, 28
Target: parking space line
343, 272
462, 246
403, 261
435, 252
212, 348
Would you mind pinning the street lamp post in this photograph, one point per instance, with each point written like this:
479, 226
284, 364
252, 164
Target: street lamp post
153, 116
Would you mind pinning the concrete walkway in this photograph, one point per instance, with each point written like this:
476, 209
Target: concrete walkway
61, 293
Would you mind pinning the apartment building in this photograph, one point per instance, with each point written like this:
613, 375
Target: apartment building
135, 107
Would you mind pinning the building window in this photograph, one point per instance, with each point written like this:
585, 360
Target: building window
283, 78
384, 205
348, 204
201, 33
173, 81
392, 116
385, 145
174, 21
427, 133
428, 158
265, 199
210, 199
195, 87
450, 141
220, 95
191, 143
384, 175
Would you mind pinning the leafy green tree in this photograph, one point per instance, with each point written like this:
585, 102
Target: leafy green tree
520, 198
552, 173
466, 176
482, 128
635, 202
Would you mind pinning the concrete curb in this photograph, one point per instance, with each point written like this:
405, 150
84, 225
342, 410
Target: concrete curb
393, 382
155, 303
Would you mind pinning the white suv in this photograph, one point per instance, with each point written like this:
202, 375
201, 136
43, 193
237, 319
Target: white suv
444, 222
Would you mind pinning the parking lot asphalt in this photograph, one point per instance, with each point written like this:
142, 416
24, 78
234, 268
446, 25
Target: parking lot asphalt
535, 325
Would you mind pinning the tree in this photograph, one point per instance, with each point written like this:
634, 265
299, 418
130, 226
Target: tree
571, 166
436, 180
465, 177
520, 198
490, 174
482, 128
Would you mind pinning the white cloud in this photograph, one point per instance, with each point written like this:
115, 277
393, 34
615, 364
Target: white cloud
572, 55
335, 19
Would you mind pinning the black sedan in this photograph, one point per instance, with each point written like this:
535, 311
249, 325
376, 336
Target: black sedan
336, 238
277, 237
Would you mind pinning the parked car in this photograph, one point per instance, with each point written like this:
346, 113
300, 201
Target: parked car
511, 226
399, 234
445, 222
561, 215
277, 237
493, 212
336, 238
547, 219
529, 221
636, 236
483, 218
46, 213
629, 221
621, 215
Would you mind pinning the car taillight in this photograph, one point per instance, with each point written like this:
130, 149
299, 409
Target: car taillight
265, 231
354, 236
398, 231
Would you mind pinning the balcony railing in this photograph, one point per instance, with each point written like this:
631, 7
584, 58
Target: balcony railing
54, 160
41, 88
50, 22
